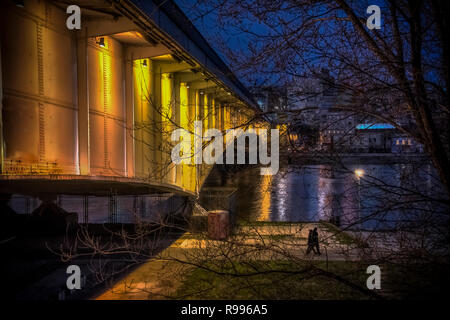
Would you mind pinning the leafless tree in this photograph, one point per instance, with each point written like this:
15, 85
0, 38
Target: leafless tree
407, 58
397, 75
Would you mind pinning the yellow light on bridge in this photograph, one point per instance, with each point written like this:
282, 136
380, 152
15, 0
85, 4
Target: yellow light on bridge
166, 95
142, 81
105, 65
205, 111
213, 113
188, 172
184, 123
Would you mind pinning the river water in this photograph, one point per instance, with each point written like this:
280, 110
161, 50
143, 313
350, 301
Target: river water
357, 196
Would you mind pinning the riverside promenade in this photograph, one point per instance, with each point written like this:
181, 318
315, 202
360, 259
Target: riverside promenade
160, 277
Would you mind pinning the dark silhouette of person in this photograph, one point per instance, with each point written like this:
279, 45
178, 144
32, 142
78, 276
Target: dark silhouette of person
315, 241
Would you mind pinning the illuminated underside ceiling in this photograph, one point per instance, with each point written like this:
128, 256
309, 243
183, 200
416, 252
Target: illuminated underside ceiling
130, 37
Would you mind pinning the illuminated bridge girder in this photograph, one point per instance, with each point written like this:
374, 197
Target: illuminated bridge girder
99, 104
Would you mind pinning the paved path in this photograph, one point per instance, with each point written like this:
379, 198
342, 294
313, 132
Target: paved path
157, 277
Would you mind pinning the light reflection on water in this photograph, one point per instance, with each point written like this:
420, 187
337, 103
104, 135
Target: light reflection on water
318, 192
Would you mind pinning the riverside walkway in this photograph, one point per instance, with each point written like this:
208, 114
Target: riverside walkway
159, 277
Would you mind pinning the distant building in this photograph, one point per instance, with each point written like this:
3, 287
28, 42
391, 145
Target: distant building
373, 137
404, 144
315, 110
272, 99
318, 100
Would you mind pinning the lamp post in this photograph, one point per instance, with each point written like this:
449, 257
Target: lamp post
359, 173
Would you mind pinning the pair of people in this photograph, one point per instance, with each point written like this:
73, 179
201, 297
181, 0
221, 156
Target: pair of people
313, 242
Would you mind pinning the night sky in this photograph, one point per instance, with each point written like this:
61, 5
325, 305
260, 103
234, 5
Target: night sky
224, 34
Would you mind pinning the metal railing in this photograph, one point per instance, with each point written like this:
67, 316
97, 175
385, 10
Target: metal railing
20, 167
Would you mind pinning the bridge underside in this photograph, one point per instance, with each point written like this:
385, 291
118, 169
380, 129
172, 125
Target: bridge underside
46, 187
91, 112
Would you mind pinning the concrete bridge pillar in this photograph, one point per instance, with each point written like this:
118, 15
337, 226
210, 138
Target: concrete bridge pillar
168, 112
129, 118
83, 103
143, 134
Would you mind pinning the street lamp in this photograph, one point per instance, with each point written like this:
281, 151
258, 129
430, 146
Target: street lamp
19, 3
359, 174
101, 42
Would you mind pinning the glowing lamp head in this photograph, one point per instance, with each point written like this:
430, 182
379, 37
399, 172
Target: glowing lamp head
101, 42
19, 3
359, 173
